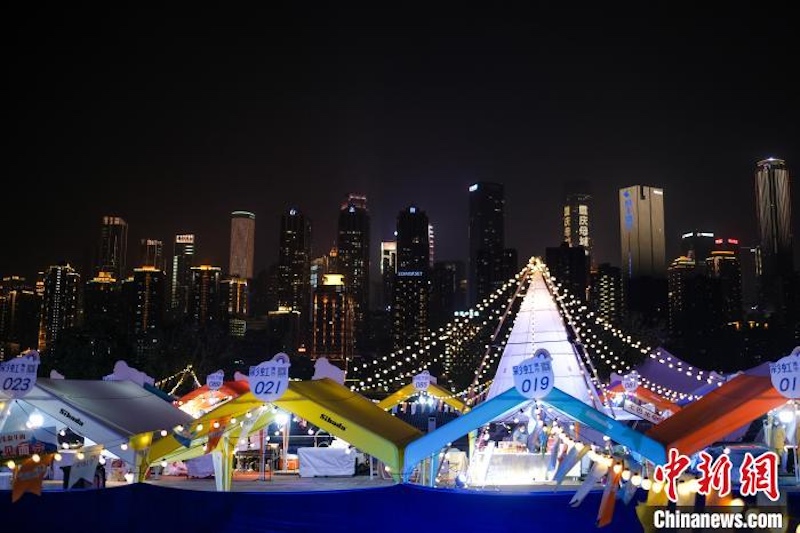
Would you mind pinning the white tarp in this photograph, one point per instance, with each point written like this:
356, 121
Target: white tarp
326, 461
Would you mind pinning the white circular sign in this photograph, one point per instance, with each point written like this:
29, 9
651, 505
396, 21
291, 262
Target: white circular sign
630, 382
785, 375
18, 375
422, 380
533, 377
270, 379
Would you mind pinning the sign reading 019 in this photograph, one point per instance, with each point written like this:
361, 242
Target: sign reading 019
270, 379
18, 375
785, 374
534, 377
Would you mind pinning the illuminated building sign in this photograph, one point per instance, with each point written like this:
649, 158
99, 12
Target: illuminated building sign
184, 239
410, 273
628, 205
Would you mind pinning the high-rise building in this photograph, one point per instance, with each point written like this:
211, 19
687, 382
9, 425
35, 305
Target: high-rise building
102, 301
569, 265
750, 261
243, 234
774, 210
447, 292
183, 253
642, 231
60, 307
388, 271
113, 250
205, 302
234, 298
333, 320
697, 245
606, 293
486, 239
353, 259
686, 291
151, 253
725, 269
431, 242
294, 265
412, 283
149, 283
577, 216
19, 316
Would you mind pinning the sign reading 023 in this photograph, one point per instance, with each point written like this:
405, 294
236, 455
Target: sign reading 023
534, 377
270, 379
18, 375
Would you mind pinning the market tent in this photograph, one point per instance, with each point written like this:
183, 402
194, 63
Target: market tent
647, 396
433, 390
324, 403
511, 400
670, 372
110, 413
720, 412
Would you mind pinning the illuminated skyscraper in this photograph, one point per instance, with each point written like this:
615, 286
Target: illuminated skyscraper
333, 321
243, 233
151, 253
724, 268
486, 239
412, 284
774, 205
641, 224
59, 303
183, 253
205, 303
577, 216
294, 266
235, 304
102, 301
606, 293
388, 271
150, 291
19, 316
113, 250
697, 245
353, 259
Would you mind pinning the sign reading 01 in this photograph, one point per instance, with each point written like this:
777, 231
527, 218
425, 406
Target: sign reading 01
270, 379
534, 377
785, 374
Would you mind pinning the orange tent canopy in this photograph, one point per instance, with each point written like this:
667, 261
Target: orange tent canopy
718, 413
648, 396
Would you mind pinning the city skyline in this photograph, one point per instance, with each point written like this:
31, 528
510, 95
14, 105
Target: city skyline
411, 114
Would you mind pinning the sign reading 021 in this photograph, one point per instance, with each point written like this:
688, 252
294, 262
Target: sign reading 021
785, 374
270, 379
534, 377
18, 375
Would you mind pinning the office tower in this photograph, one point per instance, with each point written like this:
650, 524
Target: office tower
697, 245
284, 329
750, 261
684, 283
333, 320
724, 268
149, 283
412, 285
606, 293
59, 303
102, 300
388, 271
569, 265
353, 259
774, 210
113, 250
234, 299
19, 316
151, 253
447, 292
294, 264
642, 231
486, 239
205, 303
183, 252
577, 216
243, 233
431, 246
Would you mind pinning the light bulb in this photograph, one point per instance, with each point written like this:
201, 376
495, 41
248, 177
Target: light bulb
646, 484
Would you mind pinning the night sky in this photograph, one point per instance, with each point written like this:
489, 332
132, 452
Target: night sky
172, 122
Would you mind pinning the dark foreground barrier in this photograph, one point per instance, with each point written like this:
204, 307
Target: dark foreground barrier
406, 508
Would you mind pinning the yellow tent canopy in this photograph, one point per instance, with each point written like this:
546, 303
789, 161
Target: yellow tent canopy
434, 391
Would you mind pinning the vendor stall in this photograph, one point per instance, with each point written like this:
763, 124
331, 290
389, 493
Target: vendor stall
326, 461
